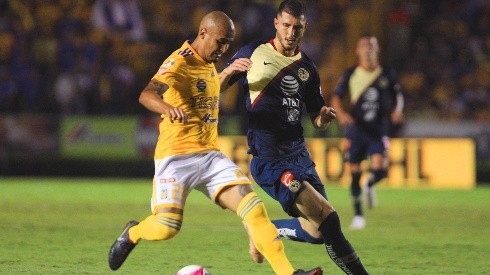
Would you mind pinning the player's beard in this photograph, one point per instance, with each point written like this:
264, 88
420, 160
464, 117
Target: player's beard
288, 44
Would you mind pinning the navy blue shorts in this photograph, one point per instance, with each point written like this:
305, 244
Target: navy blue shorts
363, 145
267, 174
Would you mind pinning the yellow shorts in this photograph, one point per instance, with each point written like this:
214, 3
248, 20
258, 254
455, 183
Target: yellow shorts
176, 176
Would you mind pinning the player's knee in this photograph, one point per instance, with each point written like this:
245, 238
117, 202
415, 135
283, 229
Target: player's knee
379, 174
355, 190
167, 225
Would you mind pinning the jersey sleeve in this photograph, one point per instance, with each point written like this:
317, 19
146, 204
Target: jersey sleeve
314, 100
397, 96
343, 84
170, 72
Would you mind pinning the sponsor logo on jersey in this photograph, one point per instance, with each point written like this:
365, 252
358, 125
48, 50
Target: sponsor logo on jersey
185, 52
201, 85
370, 106
289, 85
303, 74
166, 66
208, 119
205, 102
293, 114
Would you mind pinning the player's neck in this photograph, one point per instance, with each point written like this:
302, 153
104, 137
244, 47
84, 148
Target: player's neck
278, 47
369, 66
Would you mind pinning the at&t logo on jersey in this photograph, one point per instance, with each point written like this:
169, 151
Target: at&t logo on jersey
289, 85
370, 106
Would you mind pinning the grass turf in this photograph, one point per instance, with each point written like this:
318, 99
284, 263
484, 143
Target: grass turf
66, 226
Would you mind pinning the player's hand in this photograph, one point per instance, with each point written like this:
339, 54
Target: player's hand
327, 114
240, 65
176, 114
386, 142
396, 117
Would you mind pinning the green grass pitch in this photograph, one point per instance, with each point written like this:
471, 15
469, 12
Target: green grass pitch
66, 226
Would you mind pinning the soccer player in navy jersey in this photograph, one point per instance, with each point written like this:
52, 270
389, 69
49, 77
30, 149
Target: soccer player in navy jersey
281, 84
368, 100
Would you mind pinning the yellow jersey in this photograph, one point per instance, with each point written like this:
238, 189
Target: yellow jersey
193, 86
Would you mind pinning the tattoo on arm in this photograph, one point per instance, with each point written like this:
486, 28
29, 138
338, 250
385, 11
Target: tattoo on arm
156, 86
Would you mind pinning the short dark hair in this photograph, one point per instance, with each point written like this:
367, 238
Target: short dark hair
294, 7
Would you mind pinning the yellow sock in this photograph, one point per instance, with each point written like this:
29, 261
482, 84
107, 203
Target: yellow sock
162, 226
264, 234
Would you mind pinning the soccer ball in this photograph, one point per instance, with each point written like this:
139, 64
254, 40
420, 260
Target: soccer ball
193, 269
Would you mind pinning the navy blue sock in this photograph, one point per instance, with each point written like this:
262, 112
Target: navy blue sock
355, 190
339, 248
376, 176
355, 187
291, 229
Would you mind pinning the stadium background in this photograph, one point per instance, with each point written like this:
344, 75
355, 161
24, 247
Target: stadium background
71, 73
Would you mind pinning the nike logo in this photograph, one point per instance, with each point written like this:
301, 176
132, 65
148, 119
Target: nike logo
267, 63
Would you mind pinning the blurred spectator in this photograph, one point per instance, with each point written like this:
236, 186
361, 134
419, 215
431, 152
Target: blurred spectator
121, 17
103, 50
8, 90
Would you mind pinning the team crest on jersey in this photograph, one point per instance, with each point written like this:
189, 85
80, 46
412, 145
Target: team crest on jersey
201, 85
166, 66
383, 82
303, 74
289, 85
287, 179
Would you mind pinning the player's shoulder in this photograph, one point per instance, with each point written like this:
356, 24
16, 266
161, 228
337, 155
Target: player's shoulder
349, 71
307, 60
389, 72
248, 49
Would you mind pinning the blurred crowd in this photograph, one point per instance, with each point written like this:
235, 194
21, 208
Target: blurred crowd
95, 56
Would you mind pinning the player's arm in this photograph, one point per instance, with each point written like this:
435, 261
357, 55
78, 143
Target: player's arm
152, 98
239, 65
344, 117
397, 114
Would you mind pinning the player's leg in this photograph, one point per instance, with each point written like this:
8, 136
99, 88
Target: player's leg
298, 229
313, 206
168, 200
358, 222
378, 167
245, 202
357, 153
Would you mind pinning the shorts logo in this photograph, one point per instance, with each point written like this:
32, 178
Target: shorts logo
287, 179
239, 173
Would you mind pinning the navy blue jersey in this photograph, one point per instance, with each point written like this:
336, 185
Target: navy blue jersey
278, 90
369, 98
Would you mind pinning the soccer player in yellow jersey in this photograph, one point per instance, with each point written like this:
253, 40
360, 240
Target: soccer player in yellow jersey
185, 90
